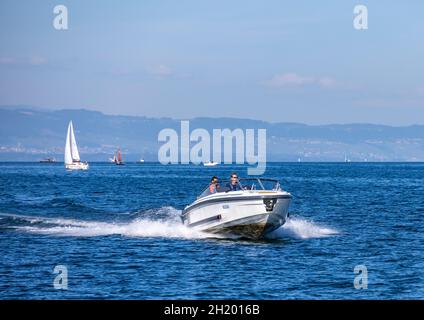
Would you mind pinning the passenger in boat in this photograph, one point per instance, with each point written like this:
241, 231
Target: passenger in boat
234, 184
214, 186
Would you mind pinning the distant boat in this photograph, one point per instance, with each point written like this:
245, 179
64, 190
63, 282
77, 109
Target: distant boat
48, 160
113, 160
346, 158
141, 160
72, 157
117, 157
210, 164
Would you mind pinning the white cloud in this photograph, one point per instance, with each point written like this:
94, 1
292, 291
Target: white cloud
37, 61
292, 79
32, 60
161, 70
326, 82
7, 61
420, 91
289, 79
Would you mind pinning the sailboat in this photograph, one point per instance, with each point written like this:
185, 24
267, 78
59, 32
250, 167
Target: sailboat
118, 159
346, 158
72, 158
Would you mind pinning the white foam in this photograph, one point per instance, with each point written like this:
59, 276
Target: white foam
136, 228
301, 229
169, 226
163, 222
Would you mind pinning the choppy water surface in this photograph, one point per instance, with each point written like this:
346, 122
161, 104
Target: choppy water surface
118, 232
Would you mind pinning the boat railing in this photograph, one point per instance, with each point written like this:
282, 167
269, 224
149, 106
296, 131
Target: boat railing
245, 184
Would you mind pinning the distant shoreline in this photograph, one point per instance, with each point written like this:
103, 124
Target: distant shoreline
32, 135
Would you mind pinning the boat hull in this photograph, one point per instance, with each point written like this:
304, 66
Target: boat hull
210, 164
77, 166
244, 214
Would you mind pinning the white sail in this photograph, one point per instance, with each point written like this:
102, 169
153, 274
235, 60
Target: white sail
72, 158
71, 149
74, 148
68, 154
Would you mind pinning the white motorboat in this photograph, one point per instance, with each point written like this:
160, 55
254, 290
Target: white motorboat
260, 207
210, 164
48, 160
72, 158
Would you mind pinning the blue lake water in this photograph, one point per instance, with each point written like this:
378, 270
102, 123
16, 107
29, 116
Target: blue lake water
118, 232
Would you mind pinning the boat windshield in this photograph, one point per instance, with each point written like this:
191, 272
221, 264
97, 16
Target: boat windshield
245, 184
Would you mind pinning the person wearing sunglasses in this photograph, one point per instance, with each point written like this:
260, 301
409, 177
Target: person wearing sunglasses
214, 186
234, 184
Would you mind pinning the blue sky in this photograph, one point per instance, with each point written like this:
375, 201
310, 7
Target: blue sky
280, 61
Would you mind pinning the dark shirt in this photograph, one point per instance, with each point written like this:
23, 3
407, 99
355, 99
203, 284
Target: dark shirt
232, 187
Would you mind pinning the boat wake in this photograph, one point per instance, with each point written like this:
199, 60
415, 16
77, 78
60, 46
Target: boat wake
163, 222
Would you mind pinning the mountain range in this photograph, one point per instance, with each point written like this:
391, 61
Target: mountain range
28, 134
